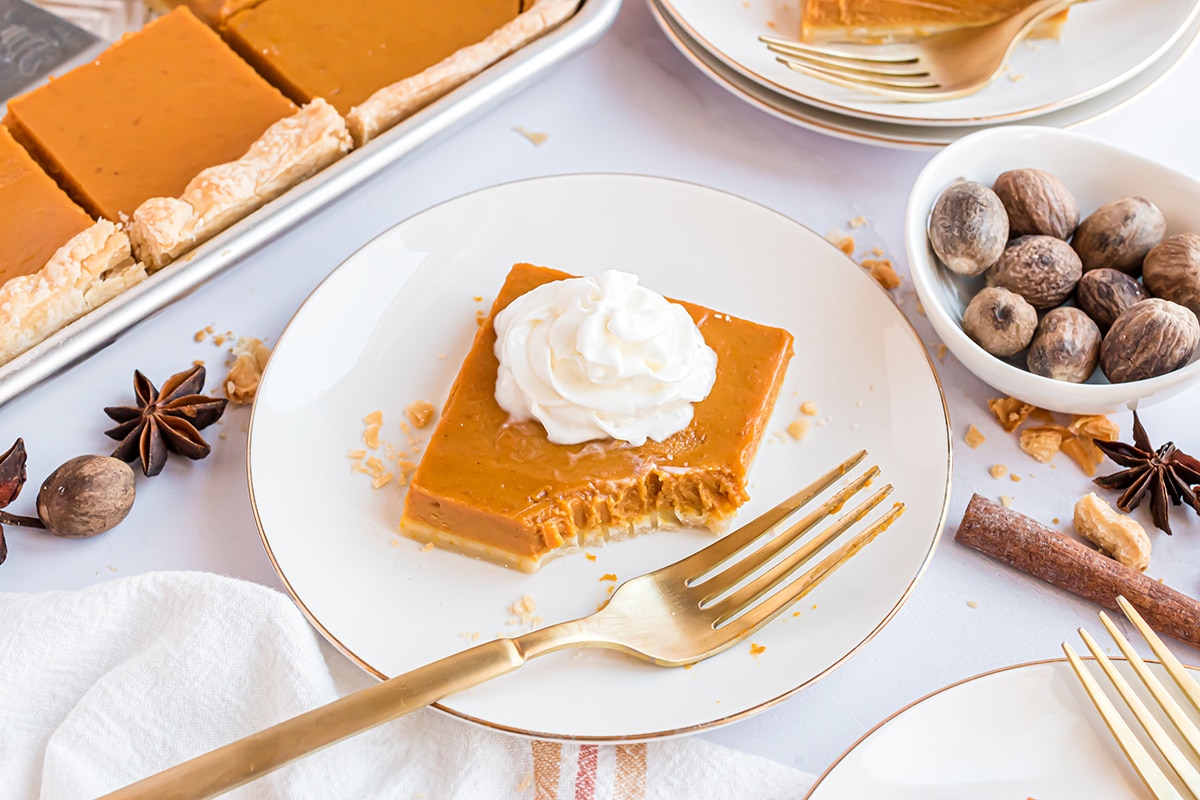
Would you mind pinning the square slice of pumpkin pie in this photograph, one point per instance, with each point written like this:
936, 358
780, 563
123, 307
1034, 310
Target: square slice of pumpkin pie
146, 116
591, 409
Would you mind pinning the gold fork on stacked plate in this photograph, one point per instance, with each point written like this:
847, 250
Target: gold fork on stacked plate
944, 66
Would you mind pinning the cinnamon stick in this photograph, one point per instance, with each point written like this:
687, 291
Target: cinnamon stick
1068, 563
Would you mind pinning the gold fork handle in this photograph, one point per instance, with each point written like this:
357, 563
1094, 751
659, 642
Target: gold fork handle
242, 761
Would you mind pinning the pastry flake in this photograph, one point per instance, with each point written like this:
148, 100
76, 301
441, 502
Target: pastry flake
289, 151
389, 105
90, 269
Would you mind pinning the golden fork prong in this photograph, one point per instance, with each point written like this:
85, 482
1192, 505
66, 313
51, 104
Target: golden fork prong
764, 610
715, 555
858, 78
1139, 757
1186, 683
739, 571
861, 65
1182, 723
852, 52
1158, 735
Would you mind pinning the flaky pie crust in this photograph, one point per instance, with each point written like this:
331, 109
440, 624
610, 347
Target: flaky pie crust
93, 266
289, 151
389, 105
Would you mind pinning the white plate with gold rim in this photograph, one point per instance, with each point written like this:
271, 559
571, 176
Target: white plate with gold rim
1103, 45
391, 325
1025, 731
907, 135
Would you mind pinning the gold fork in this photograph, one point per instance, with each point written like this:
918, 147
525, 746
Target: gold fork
678, 615
1139, 756
939, 67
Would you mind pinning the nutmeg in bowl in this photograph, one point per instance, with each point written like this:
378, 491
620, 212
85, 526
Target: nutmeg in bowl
1096, 174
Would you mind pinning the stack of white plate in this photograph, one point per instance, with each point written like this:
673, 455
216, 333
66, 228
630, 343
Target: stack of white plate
1110, 52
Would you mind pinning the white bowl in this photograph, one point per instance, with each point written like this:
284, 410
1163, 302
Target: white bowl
1095, 172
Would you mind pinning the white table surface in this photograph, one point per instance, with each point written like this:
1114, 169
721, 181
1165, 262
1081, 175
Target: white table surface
630, 104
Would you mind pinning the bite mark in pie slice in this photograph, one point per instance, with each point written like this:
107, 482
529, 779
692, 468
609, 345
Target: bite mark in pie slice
500, 490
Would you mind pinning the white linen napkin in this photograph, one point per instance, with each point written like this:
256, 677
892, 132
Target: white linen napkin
104, 686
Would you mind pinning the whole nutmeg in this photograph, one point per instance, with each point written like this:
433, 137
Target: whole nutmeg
1037, 203
1118, 235
1000, 321
1042, 269
85, 496
1151, 338
968, 228
1065, 347
1172, 271
1105, 293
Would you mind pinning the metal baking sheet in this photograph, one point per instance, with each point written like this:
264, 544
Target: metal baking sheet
106, 324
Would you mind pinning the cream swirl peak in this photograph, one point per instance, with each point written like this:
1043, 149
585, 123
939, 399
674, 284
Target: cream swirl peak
600, 358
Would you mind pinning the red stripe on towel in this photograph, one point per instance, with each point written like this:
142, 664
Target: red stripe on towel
585, 777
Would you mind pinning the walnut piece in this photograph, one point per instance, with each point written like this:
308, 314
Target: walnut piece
1043, 441
1083, 453
249, 360
1010, 412
1094, 426
1117, 535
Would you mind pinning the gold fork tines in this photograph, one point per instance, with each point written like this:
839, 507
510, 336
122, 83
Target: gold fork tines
942, 66
1156, 780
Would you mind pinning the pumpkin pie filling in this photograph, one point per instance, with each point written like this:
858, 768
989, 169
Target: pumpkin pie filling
345, 53
36, 217
147, 116
870, 21
501, 490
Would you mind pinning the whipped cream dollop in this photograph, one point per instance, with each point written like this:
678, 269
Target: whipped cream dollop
601, 357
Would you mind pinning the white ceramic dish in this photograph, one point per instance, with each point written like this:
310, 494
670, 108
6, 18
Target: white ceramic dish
1027, 731
391, 325
1095, 172
1103, 45
906, 136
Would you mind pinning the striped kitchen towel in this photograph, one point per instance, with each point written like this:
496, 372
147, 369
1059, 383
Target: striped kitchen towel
106, 685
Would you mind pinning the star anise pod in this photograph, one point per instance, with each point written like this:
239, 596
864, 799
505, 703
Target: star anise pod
165, 421
12, 478
1165, 474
